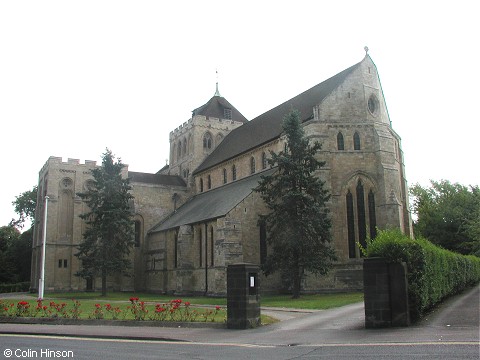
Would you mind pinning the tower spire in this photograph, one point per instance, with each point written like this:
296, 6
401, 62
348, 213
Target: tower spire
217, 93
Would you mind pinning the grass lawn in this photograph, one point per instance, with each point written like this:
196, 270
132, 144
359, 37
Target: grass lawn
314, 301
118, 306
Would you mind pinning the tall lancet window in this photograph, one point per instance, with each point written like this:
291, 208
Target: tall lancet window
362, 231
350, 225
340, 143
356, 141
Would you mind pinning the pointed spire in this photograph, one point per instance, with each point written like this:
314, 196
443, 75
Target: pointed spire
217, 93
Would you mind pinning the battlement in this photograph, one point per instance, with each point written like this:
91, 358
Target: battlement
201, 120
181, 128
56, 161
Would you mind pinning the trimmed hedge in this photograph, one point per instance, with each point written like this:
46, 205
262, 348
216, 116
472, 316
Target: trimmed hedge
433, 273
18, 287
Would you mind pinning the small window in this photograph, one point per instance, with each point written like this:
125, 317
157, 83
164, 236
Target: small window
372, 104
65, 263
252, 165
201, 185
264, 160
227, 114
209, 182
234, 173
207, 141
356, 141
340, 143
60, 263
224, 176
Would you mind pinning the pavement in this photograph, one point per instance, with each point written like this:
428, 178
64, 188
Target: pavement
454, 321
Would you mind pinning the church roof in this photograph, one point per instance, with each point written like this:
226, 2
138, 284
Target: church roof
268, 126
216, 106
211, 204
157, 179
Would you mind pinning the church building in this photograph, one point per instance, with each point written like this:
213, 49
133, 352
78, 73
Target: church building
199, 213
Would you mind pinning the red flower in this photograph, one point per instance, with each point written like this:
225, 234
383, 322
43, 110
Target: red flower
187, 303
217, 307
98, 306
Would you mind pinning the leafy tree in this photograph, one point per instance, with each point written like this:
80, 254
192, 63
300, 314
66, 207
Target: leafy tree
448, 215
298, 225
8, 236
109, 235
24, 206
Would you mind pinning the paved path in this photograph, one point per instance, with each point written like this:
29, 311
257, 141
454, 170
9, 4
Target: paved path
457, 320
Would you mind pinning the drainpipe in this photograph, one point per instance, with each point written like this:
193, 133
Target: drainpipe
206, 259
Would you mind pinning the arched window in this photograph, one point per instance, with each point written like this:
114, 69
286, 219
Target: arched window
264, 160
201, 185
179, 150
350, 225
218, 139
362, 231
252, 165
234, 173
340, 143
207, 141
184, 149
209, 182
356, 141
224, 176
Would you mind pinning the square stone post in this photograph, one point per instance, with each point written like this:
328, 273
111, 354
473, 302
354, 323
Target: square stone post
243, 297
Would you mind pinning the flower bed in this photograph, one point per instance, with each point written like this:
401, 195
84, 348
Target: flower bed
172, 311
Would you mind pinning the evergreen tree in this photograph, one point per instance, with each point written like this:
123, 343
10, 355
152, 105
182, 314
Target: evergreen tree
109, 234
298, 225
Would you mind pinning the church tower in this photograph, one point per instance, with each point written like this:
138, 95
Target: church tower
195, 139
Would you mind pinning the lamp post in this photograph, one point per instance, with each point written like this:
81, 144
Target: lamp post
41, 282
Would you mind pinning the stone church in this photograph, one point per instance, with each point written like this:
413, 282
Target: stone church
199, 213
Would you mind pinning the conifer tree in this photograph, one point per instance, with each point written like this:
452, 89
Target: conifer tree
109, 234
298, 225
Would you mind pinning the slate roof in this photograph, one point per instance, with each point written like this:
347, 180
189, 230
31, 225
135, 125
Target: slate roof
215, 107
268, 126
212, 204
157, 179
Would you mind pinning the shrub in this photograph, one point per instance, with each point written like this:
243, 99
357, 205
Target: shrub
18, 287
433, 273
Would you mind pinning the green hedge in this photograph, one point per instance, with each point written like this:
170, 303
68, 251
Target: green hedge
433, 273
18, 287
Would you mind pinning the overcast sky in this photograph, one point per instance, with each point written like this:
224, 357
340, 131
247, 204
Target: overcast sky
77, 77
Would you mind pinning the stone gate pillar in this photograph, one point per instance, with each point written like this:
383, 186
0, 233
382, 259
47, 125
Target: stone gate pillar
386, 293
243, 297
